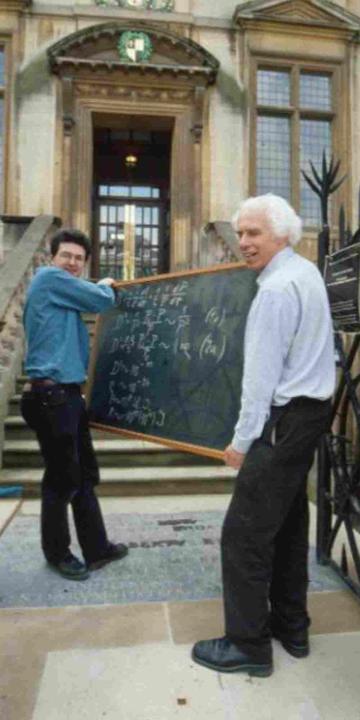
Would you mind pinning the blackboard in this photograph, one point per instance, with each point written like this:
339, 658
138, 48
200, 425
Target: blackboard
167, 359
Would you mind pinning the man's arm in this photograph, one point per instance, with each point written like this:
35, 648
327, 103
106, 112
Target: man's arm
77, 294
270, 329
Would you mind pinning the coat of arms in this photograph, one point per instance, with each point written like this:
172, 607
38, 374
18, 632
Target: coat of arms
134, 46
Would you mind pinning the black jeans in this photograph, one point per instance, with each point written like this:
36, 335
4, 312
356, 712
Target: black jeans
265, 533
58, 415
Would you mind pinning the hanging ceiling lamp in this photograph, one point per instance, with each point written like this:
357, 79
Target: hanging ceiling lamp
131, 161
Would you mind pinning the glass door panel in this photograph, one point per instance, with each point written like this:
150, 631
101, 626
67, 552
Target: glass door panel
130, 232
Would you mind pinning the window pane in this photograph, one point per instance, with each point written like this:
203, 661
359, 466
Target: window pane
315, 137
273, 156
112, 214
118, 190
138, 191
103, 213
147, 216
120, 213
273, 87
315, 91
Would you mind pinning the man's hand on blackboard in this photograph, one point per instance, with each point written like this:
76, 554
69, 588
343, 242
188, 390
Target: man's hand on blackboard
232, 458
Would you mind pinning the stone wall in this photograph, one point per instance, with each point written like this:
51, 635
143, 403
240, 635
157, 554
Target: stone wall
35, 118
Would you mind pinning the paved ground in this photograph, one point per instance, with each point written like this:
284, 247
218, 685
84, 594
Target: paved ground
173, 556
101, 650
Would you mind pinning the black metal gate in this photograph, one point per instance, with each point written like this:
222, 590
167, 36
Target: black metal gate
338, 489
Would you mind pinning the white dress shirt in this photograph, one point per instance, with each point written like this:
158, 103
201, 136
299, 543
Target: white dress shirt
289, 348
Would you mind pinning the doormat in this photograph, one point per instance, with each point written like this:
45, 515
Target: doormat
172, 557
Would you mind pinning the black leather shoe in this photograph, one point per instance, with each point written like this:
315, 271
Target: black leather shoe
71, 568
223, 655
295, 643
114, 552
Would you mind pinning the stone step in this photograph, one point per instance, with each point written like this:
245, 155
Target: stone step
155, 480
122, 453
14, 405
20, 381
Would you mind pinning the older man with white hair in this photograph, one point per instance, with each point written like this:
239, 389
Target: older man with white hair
288, 380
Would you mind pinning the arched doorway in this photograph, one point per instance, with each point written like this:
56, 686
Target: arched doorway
117, 84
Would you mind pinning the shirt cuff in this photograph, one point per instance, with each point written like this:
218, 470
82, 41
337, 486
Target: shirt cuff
241, 446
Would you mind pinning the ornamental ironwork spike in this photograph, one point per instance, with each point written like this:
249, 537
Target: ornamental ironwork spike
315, 172
324, 168
337, 185
311, 183
324, 185
334, 169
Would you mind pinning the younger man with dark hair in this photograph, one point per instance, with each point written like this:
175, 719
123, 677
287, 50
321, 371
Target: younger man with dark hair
52, 404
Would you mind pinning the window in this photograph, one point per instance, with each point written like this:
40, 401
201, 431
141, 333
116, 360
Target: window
294, 124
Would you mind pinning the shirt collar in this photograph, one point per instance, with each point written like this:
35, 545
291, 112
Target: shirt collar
279, 259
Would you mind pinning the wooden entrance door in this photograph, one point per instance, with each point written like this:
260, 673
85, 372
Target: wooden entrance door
132, 231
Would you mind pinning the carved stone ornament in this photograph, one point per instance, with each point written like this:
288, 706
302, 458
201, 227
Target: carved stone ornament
164, 5
152, 94
123, 47
309, 12
135, 46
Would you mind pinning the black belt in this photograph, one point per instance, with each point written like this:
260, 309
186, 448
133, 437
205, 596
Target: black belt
303, 401
38, 383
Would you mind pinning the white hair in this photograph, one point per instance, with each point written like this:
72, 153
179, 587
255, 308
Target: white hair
284, 221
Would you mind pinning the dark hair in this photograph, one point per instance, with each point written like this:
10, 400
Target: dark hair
68, 235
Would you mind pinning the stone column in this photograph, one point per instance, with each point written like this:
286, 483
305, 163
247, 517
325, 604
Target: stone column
182, 195
68, 125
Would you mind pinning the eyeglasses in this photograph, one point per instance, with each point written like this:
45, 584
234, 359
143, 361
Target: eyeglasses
79, 259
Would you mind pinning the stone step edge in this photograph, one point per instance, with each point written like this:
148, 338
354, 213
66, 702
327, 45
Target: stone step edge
116, 446
130, 475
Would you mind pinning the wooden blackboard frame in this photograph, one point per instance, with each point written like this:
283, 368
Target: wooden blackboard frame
168, 442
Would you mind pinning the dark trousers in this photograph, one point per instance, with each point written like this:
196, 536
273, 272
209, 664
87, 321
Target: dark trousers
58, 415
265, 533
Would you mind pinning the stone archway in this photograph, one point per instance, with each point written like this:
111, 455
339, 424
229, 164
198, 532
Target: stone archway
169, 79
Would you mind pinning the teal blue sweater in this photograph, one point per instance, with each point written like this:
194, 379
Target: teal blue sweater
57, 338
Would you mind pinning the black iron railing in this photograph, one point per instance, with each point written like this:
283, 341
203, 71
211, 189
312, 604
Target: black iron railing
338, 488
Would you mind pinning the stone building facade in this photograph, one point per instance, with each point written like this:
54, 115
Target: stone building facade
142, 122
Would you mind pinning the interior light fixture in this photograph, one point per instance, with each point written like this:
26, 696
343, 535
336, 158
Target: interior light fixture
131, 161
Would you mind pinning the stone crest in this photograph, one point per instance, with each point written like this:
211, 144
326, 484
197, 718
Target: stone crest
134, 46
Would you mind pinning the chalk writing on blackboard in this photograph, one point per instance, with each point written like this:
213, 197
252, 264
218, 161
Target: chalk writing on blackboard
169, 358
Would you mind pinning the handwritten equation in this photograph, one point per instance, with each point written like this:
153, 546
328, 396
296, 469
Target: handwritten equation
155, 336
